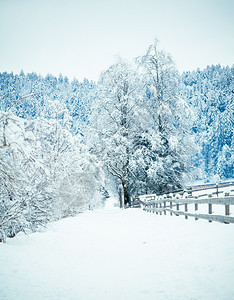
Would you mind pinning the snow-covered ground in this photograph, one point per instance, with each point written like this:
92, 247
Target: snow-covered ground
120, 254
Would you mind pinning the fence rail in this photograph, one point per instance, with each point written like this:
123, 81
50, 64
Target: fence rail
189, 205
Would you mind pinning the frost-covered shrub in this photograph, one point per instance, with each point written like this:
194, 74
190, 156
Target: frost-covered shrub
45, 172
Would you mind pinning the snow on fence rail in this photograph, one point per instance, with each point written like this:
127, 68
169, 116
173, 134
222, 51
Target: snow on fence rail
213, 206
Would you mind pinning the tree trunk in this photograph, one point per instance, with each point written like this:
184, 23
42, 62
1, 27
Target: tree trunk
120, 197
126, 194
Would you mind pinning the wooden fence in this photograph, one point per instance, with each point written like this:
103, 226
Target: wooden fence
189, 205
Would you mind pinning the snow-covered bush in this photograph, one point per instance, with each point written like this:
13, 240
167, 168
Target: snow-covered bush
45, 172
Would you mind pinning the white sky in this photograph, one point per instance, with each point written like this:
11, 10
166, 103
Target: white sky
81, 38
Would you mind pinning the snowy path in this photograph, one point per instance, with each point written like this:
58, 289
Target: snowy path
120, 254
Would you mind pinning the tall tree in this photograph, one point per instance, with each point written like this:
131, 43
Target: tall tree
169, 121
116, 121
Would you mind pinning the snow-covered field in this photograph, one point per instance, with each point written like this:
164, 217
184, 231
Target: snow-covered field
120, 254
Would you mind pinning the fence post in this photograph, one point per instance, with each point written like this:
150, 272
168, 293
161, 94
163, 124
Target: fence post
165, 204
217, 189
156, 207
210, 210
171, 208
160, 206
227, 211
186, 209
177, 208
196, 208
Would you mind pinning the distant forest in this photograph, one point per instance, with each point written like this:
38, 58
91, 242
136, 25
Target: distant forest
208, 92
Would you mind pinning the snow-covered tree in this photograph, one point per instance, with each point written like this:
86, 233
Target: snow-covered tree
170, 144
117, 120
21, 204
71, 170
45, 172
